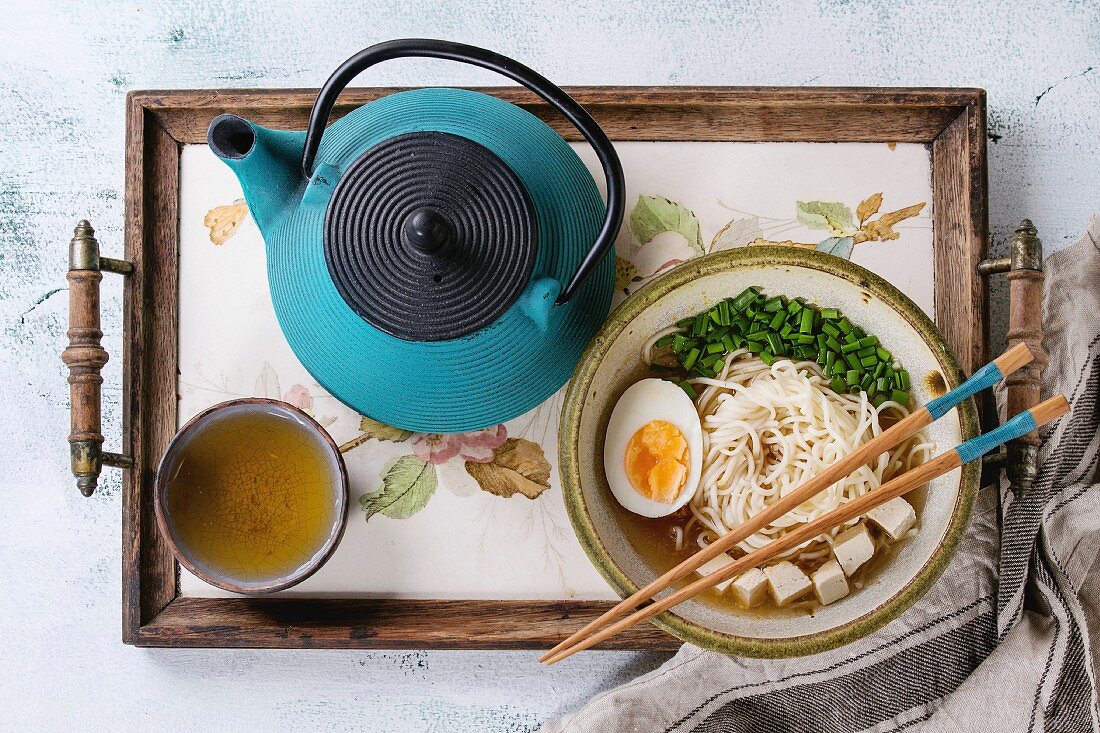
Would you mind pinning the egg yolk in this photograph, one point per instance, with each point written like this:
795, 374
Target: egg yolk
656, 461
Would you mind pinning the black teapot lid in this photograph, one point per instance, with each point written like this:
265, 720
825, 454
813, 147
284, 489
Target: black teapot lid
430, 236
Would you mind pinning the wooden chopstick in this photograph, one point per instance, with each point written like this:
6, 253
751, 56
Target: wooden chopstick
973, 449
895, 435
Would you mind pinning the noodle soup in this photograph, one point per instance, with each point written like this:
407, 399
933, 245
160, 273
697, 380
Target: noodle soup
655, 542
782, 389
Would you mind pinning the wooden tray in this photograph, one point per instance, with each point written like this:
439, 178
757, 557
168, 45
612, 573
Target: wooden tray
950, 121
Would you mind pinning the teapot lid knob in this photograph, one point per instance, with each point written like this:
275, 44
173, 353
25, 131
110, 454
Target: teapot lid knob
430, 236
426, 229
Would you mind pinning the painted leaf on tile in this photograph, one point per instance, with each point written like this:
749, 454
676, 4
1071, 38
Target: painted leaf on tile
625, 274
407, 484
518, 467
837, 246
381, 431
224, 220
868, 207
831, 215
267, 383
882, 229
737, 233
653, 215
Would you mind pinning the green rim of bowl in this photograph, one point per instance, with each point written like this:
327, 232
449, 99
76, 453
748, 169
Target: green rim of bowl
737, 259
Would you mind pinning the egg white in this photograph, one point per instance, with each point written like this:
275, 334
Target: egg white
642, 402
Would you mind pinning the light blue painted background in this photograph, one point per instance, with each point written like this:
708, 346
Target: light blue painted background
64, 71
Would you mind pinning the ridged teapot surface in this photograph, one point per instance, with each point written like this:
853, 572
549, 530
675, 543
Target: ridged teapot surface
437, 258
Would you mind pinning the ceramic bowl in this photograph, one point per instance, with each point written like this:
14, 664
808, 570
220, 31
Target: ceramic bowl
612, 362
264, 411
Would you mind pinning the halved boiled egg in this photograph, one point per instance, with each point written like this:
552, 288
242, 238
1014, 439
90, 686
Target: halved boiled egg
653, 450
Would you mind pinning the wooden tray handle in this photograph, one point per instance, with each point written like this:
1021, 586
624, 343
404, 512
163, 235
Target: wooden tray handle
1024, 270
85, 358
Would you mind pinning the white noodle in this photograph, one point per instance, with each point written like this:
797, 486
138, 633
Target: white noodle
766, 430
647, 349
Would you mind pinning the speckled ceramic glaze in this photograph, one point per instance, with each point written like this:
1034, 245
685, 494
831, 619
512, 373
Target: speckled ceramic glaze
612, 362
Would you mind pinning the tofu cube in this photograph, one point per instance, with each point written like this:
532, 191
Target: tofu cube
829, 582
853, 547
713, 564
895, 517
786, 582
750, 588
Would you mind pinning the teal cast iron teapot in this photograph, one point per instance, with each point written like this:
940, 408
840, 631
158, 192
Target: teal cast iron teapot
437, 257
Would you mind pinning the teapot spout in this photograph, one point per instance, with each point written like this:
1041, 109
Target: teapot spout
266, 162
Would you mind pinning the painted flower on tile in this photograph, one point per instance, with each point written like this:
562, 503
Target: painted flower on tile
476, 447
463, 463
267, 385
663, 252
664, 233
667, 233
300, 397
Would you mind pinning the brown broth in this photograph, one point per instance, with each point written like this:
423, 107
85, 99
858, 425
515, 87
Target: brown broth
653, 540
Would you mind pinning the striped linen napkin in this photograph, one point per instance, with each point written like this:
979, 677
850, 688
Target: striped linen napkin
1007, 640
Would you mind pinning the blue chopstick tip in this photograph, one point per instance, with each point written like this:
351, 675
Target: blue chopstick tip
1017, 427
982, 379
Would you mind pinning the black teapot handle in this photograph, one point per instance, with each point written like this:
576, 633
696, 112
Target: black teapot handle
576, 114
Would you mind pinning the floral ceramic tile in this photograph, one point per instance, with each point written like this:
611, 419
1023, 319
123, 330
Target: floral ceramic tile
480, 515
866, 202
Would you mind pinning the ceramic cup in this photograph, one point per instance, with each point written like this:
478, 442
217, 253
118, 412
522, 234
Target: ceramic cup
200, 449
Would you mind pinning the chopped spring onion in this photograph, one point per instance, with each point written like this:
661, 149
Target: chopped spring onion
775, 327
